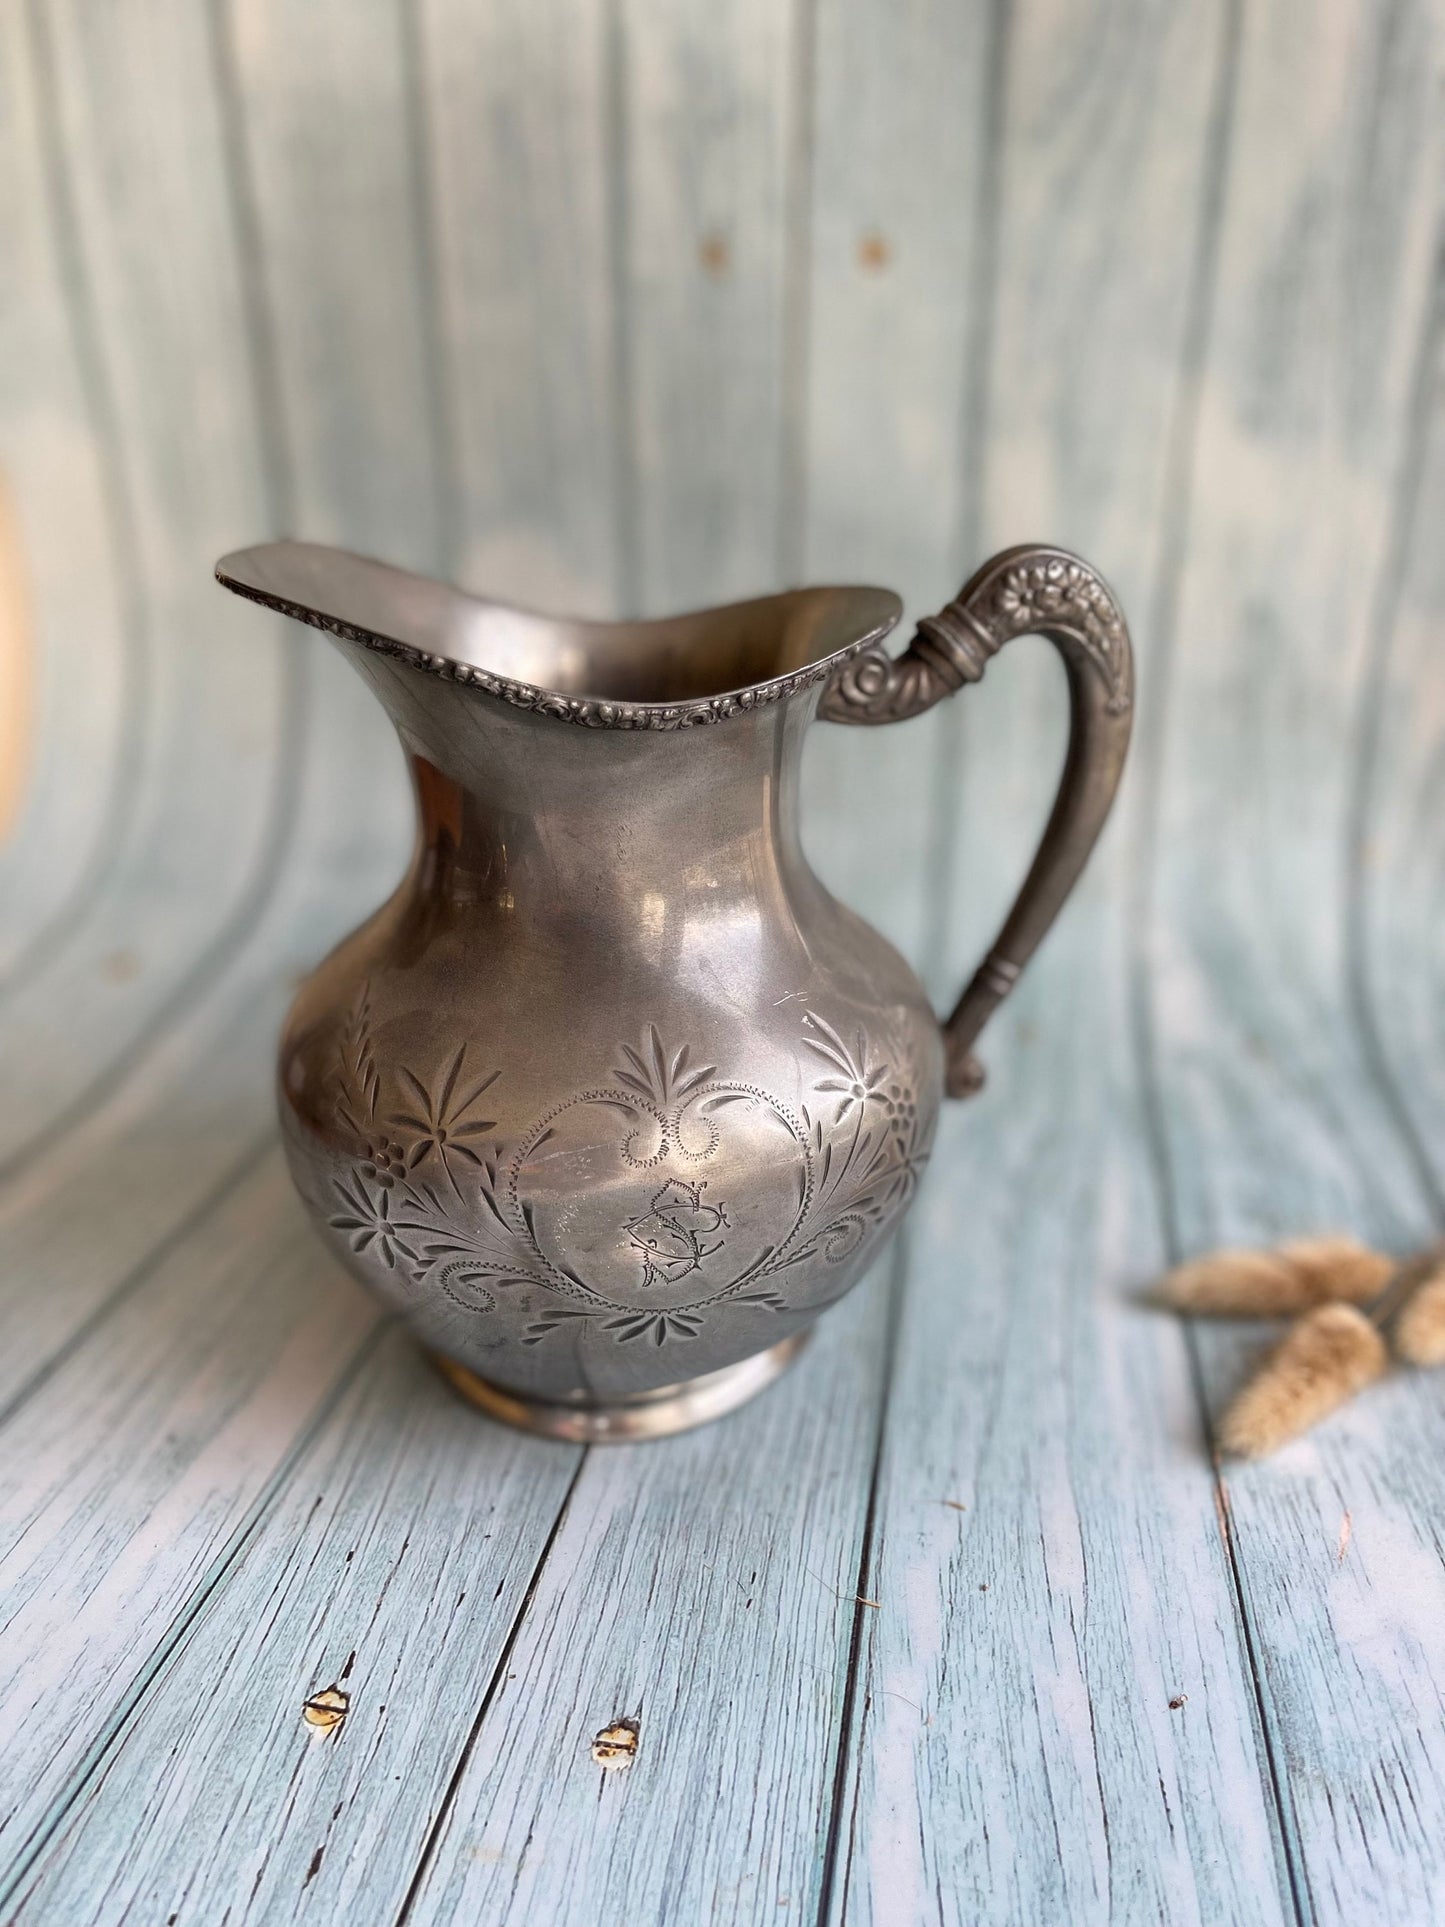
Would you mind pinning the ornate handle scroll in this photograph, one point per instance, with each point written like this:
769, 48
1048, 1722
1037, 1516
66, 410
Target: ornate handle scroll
1030, 590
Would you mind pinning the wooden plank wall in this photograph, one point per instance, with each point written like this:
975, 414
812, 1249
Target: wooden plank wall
633, 304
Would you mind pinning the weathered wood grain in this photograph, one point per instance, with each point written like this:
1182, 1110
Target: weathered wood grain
1396, 859
395, 1560
884, 381
520, 139
60, 561
169, 1121
171, 1136
1273, 1121
702, 1587
136, 1471
153, 220
1053, 1715
327, 145
708, 96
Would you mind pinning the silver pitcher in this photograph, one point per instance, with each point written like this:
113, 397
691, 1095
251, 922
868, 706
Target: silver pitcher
612, 1098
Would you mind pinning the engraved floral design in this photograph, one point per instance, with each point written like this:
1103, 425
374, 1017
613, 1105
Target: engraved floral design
443, 1122
436, 1198
856, 1083
660, 1079
383, 1162
358, 1080
367, 1224
659, 1326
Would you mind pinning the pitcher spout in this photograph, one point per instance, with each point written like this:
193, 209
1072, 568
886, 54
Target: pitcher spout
676, 672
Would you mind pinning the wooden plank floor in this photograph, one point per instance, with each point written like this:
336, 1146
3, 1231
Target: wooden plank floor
631, 302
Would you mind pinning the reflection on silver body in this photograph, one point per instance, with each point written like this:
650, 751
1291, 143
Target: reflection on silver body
612, 1098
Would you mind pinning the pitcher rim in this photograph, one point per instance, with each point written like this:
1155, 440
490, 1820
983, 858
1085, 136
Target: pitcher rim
593, 712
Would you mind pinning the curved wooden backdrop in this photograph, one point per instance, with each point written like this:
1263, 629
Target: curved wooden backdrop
635, 304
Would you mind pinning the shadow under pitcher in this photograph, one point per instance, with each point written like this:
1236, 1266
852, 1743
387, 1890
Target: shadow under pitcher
612, 1098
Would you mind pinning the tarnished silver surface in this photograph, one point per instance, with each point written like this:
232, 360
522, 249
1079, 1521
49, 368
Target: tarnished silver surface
612, 1096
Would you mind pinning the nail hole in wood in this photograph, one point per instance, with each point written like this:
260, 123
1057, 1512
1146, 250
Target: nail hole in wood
327, 1709
715, 254
874, 251
615, 1747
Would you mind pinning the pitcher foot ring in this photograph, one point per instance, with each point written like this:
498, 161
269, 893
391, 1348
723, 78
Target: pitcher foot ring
672, 1408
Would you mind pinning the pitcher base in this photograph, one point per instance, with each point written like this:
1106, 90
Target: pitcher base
672, 1408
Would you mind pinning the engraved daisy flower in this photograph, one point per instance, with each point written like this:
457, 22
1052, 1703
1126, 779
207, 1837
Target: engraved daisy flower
855, 1083
367, 1223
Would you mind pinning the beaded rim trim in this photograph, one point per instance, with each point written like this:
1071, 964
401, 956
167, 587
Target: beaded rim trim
588, 712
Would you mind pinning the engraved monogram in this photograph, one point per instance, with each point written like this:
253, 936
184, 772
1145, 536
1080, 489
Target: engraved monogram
649, 1234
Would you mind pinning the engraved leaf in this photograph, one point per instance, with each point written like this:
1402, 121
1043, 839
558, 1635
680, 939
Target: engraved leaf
450, 1080
629, 1111
830, 1045
694, 1079
410, 1078
794, 1258
472, 1096
828, 1056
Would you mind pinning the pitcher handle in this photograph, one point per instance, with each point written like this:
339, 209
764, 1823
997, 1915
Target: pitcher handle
1034, 589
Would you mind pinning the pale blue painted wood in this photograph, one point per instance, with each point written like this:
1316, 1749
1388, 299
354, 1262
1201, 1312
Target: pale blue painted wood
520, 137
588, 372
65, 529
174, 1098
1053, 1717
1397, 861
162, 289
709, 96
704, 1588
395, 1559
1273, 1121
134, 1473
895, 265
327, 145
